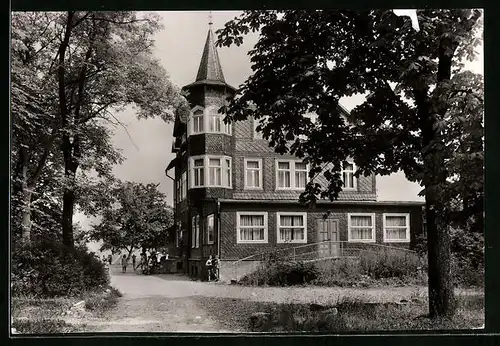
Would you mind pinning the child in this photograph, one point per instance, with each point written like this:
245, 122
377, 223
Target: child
216, 265
209, 266
124, 263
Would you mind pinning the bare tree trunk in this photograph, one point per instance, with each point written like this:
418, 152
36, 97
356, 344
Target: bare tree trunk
26, 215
67, 217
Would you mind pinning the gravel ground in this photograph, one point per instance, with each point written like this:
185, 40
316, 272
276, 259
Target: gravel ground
173, 303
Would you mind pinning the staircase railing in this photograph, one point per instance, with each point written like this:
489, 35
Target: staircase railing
319, 251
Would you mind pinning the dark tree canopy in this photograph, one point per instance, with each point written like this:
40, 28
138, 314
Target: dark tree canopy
422, 113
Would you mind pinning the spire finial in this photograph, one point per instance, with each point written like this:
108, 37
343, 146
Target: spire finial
210, 21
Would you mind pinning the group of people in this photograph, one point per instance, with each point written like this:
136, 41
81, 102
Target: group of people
148, 264
213, 268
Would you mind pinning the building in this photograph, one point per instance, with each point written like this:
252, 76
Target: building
236, 197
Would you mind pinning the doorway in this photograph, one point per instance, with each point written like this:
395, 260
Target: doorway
328, 237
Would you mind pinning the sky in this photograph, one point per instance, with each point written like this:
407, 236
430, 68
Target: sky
179, 46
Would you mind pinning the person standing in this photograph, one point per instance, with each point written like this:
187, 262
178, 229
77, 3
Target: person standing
216, 265
133, 261
209, 266
110, 259
124, 263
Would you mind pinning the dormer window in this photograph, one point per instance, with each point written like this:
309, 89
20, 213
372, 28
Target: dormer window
348, 176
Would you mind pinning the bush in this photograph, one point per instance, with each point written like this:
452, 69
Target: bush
280, 273
388, 267
49, 269
44, 326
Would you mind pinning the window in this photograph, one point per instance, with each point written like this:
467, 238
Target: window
251, 227
253, 174
179, 236
210, 171
214, 172
292, 227
195, 232
214, 122
183, 185
291, 175
199, 174
300, 175
210, 229
348, 176
228, 128
396, 228
178, 191
361, 227
197, 121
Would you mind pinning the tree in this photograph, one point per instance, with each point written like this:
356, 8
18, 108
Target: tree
139, 217
418, 96
93, 65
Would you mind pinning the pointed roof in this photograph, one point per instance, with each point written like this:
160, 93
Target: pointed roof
210, 68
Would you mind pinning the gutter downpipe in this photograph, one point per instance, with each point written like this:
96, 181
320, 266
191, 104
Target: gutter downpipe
218, 228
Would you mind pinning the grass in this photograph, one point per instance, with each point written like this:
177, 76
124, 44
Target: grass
353, 315
46, 315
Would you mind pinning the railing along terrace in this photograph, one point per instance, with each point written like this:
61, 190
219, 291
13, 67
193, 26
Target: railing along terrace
324, 251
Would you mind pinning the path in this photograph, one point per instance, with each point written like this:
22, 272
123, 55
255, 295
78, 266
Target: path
173, 303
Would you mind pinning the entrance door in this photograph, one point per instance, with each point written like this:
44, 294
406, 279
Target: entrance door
328, 236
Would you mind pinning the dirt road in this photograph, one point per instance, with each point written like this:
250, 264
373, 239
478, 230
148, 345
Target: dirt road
173, 303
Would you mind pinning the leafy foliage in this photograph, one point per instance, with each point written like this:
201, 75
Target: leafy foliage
422, 113
138, 217
73, 72
49, 269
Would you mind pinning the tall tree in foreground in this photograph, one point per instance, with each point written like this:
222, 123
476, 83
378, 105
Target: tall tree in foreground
420, 105
91, 66
138, 217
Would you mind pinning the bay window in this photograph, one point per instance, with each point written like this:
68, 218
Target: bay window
210, 171
361, 227
207, 120
251, 227
291, 175
396, 228
292, 227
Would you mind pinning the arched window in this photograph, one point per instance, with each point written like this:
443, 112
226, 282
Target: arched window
197, 121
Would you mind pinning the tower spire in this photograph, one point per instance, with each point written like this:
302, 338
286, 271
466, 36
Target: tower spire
210, 68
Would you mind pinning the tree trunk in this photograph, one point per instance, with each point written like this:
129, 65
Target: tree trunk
26, 215
441, 298
67, 217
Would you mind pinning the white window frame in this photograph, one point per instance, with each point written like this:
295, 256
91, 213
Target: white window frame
210, 216
292, 175
238, 227
354, 179
407, 227
194, 171
278, 227
190, 126
217, 169
350, 227
260, 170
226, 171
214, 117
